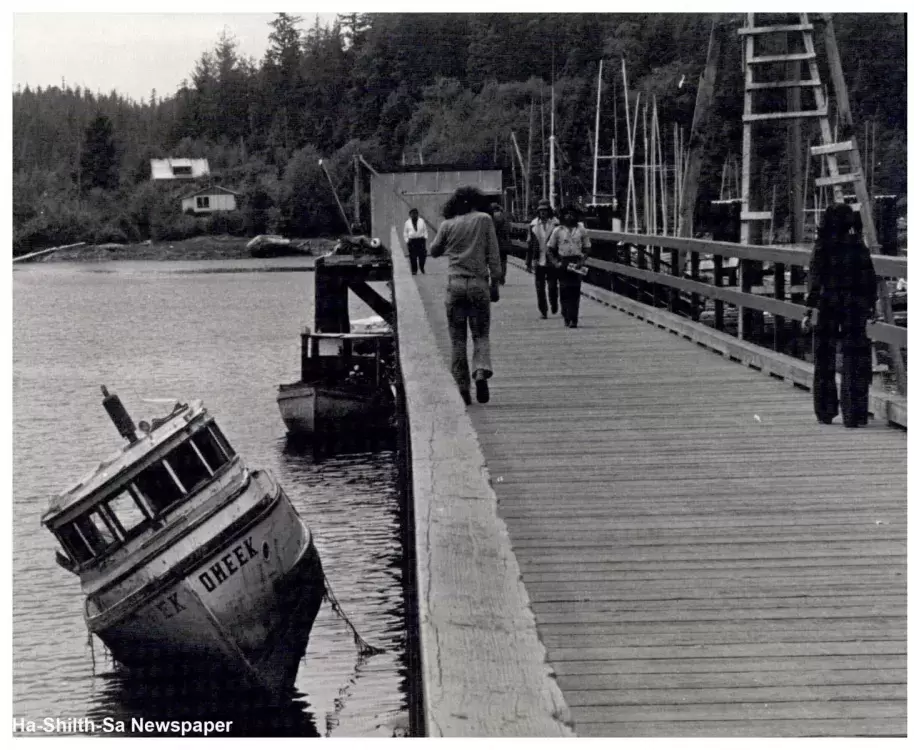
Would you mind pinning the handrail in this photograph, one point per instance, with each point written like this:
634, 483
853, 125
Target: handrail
885, 265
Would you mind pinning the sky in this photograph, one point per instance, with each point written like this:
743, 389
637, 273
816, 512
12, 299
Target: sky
130, 52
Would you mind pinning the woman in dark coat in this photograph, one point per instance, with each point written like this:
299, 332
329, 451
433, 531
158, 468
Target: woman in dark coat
842, 288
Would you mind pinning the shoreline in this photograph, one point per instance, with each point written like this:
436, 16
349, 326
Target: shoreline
218, 247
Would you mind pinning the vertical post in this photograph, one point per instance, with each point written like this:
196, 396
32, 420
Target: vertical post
779, 295
596, 134
695, 262
305, 351
642, 284
552, 149
718, 282
674, 271
527, 175
746, 267
356, 193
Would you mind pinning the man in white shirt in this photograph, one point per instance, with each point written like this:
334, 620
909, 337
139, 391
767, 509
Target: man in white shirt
540, 260
415, 234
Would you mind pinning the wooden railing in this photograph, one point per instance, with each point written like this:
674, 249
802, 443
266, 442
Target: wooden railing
634, 264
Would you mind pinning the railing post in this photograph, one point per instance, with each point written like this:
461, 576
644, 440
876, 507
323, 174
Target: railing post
779, 295
655, 267
718, 282
642, 284
796, 275
695, 260
672, 294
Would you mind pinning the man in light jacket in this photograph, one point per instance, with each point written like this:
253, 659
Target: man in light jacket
415, 235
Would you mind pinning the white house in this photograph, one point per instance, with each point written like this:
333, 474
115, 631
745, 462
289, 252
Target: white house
210, 199
179, 169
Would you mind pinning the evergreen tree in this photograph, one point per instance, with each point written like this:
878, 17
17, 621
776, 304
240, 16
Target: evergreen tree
100, 161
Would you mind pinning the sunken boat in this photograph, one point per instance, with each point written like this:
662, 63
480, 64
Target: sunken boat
346, 385
188, 557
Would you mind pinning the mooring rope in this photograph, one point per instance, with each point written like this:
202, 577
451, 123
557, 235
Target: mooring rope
365, 648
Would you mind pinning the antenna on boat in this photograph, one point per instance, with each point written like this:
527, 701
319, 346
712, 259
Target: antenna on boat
119, 416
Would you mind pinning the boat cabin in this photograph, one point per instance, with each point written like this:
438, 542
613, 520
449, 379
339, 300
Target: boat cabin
357, 359
138, 488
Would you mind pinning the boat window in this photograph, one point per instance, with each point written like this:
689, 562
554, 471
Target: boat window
127, 510
187, 465
209, 449
158, 487
73, 543
96, 532
220, 438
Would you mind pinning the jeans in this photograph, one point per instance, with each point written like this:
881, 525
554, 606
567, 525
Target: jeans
570, 292
847, 324
546, 276
417, 253
468, 305
503, 253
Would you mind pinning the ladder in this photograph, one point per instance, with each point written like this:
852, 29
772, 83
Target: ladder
830, 149
839, 175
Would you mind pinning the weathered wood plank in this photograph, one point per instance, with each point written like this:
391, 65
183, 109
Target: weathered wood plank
483, 666
683, 525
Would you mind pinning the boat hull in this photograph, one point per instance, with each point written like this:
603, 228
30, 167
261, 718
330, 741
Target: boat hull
243, 604
310, 410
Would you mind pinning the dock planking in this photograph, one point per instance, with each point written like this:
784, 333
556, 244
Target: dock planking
701, 556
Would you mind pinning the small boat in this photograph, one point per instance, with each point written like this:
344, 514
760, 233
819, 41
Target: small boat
346, 385
274, 246
187, 557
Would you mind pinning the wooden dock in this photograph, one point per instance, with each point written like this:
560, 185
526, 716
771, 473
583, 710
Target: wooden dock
701, 557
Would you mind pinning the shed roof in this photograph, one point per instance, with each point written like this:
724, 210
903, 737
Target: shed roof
211, 190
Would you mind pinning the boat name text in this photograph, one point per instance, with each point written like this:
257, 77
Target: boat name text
228, 565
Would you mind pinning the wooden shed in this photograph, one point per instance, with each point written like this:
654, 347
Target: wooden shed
209, 200
425, 188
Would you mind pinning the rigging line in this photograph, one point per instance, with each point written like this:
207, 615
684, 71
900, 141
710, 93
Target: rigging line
365, 648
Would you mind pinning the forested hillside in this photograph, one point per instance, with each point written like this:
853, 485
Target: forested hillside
395, 88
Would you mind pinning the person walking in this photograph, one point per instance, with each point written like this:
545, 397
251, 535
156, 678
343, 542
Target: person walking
543, 263
842, 287
569, 241
467, 236
415, 235
504, 238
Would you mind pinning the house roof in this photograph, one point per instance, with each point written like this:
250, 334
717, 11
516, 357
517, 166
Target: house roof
212, 190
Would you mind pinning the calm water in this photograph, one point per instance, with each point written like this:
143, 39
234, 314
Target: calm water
226, 333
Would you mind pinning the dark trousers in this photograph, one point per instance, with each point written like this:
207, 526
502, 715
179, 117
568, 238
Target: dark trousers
504, 265
847, 325
570, 294
417, 253
546, 277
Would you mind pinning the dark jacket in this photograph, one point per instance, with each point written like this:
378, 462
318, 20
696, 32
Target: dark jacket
841, 274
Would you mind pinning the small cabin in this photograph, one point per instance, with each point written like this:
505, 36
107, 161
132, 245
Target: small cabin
179, 169
209, 200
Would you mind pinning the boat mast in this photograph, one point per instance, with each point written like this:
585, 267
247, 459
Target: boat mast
552, 137
596, 135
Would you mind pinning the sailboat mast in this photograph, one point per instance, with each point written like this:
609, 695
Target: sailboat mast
596, 136
552, 137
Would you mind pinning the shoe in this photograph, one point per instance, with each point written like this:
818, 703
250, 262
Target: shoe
825, 421
466, 397
567, 324
482, 391
573, 324
555, 310
543, 316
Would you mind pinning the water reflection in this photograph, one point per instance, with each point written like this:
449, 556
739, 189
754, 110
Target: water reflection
171, 696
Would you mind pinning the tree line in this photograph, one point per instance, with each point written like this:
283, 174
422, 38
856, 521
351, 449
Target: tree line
404, 88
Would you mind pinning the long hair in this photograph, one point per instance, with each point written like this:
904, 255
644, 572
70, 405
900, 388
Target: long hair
465, 199
837, 223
